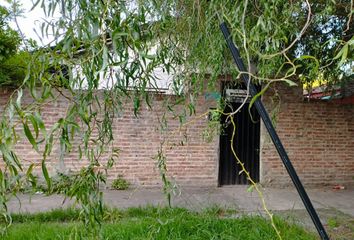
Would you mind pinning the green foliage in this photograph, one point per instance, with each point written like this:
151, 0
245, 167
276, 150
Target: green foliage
120, 183
168, 186
55, 215
13, 65
214, 128
104, 54
61, 183
84, 188
153, 223
9, 43
332, 223
324, 50
14, 69
9, 39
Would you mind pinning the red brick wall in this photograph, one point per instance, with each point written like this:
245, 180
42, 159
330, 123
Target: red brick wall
139, 138
192, 163
318, 137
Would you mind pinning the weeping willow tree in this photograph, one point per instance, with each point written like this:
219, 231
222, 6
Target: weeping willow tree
115, 48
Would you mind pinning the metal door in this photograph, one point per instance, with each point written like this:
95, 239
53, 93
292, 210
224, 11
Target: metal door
246, 145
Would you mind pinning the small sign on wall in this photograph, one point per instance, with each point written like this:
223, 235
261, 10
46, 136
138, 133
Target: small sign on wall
236, 95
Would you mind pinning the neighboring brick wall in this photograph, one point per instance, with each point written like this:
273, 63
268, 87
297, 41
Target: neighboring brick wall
348, 89
318, 137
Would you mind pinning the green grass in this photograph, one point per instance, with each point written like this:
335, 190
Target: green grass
152, 223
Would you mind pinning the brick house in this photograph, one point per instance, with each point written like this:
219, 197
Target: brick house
318, 136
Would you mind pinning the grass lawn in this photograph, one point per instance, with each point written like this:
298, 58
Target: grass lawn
152, 223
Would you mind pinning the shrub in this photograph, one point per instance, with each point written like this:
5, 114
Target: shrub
120, 183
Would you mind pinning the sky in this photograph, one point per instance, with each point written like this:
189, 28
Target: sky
29, 21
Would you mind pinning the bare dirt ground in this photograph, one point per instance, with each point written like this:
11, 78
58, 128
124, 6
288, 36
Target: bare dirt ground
338, 224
